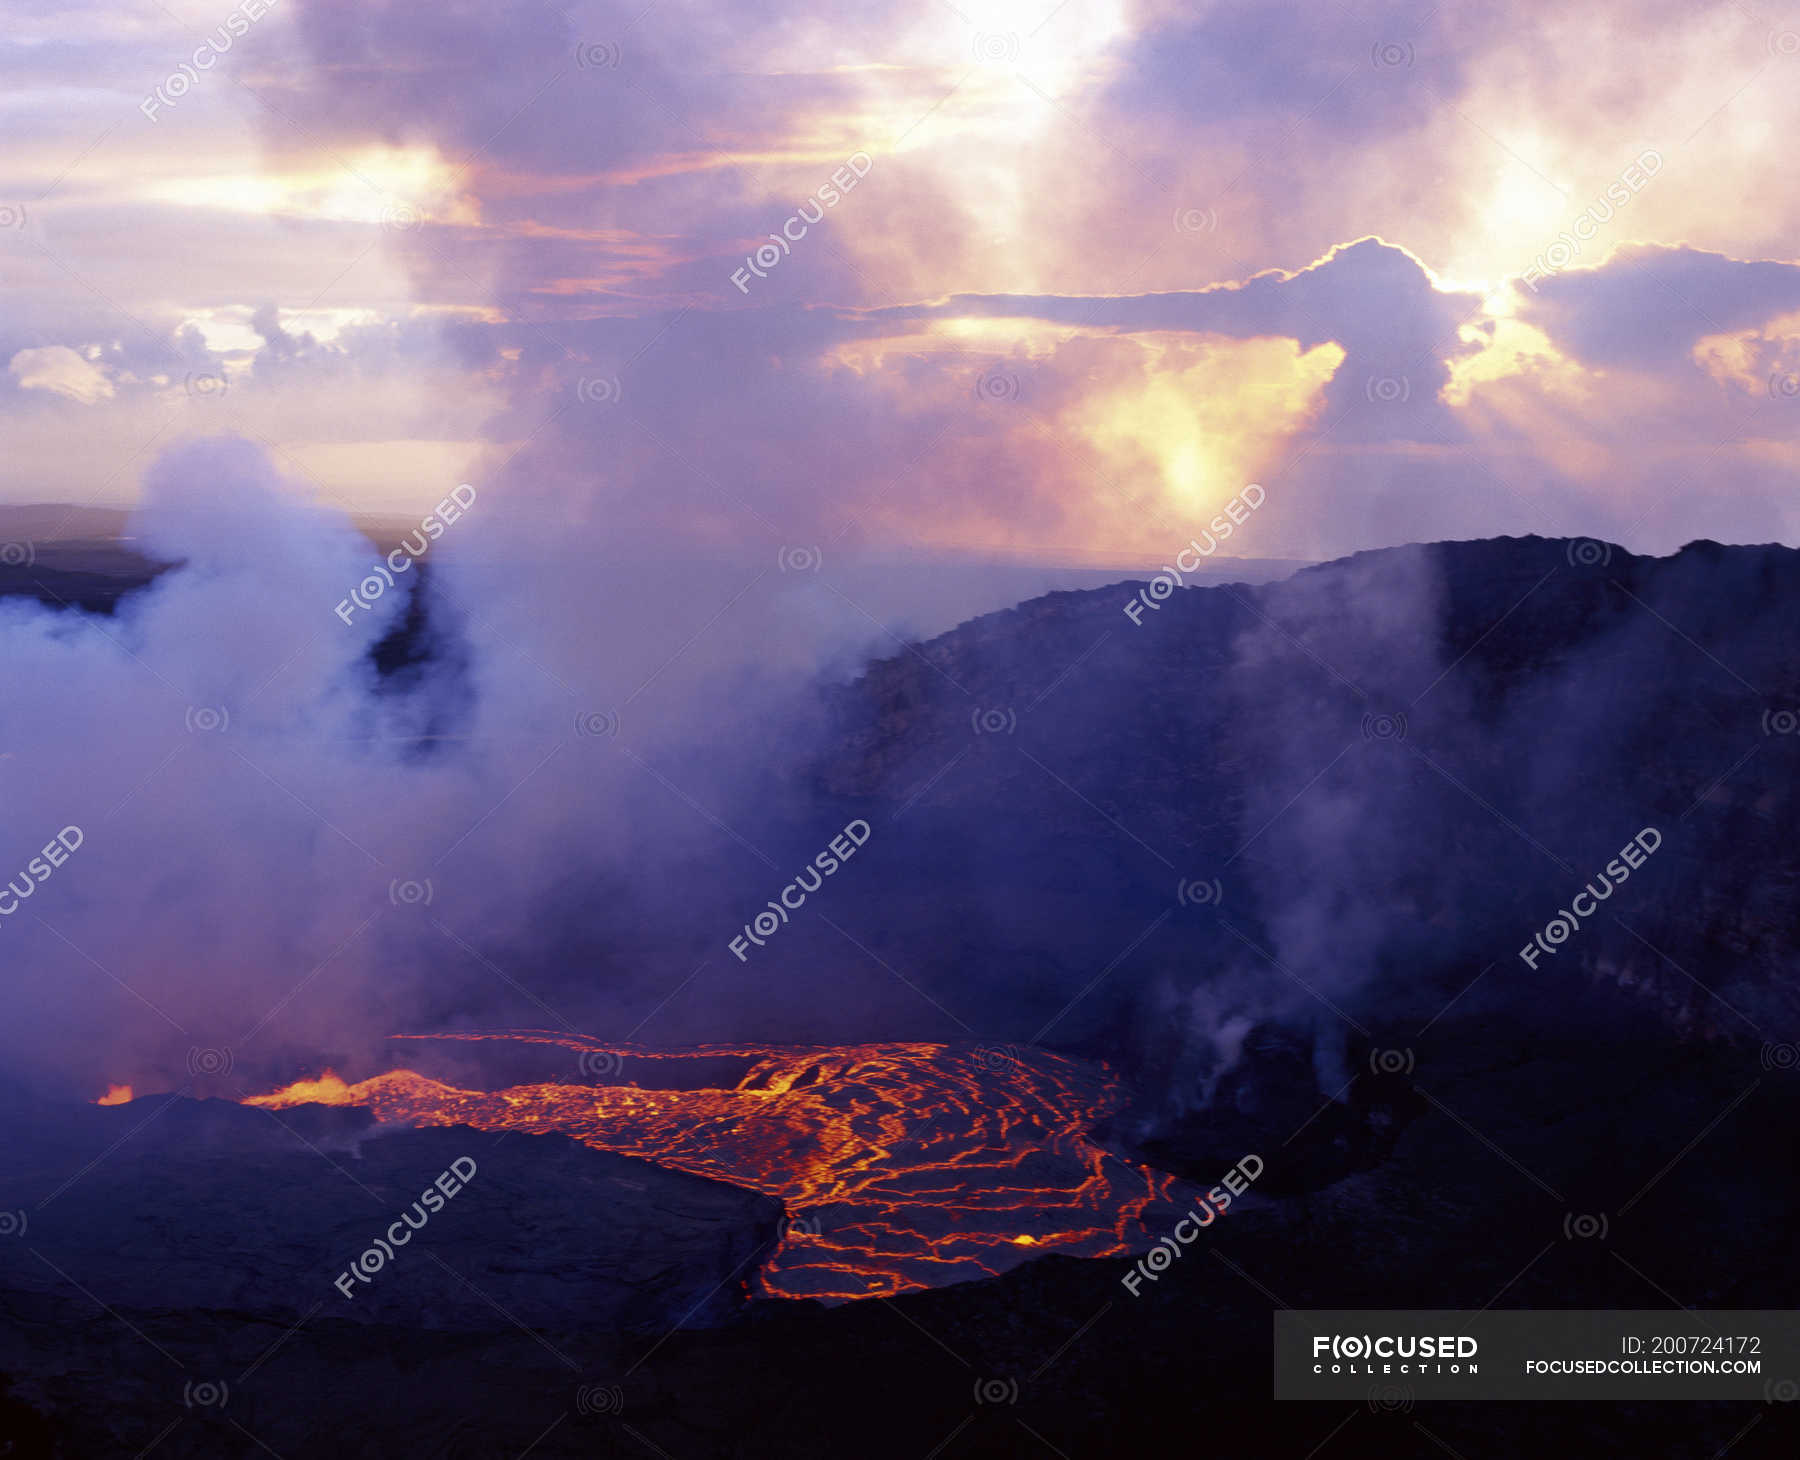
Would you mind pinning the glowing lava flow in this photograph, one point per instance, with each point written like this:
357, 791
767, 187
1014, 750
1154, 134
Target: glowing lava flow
901, 1165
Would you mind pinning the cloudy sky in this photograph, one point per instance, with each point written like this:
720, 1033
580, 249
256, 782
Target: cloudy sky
1044, 280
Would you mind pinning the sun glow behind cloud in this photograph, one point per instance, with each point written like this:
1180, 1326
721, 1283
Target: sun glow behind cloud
396, 187
1204, 417
1020, 148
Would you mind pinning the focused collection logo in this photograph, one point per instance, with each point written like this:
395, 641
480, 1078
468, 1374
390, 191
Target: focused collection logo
1394, 1353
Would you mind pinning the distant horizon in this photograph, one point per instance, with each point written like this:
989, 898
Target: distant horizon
75, 517
391, 521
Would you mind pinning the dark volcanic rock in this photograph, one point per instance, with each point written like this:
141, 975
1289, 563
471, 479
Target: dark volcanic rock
1529, 1124
1268, 1100
94, 576
1373, 784
1390, 771
177, 1205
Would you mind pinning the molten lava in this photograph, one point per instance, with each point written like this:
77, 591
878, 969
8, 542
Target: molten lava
902, 1166
116, 1095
